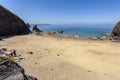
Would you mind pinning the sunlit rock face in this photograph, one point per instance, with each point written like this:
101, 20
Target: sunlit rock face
10, 24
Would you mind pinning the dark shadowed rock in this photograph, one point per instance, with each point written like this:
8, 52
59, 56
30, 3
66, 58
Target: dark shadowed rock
28, 25
60, 31
36, 31
116, 32
54, 32
30, 52
10, 24
12, 71
0, 39
2, 51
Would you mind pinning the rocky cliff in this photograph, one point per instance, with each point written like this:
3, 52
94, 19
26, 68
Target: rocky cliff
10, 24
116, 32
12, 71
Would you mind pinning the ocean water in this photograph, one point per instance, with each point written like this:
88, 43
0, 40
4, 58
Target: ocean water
79, 30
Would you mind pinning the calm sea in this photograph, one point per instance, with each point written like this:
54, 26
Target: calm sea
79, 30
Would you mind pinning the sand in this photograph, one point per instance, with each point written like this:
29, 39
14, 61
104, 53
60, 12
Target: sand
66, 59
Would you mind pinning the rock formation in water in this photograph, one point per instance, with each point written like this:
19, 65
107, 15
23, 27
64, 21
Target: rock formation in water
36, 31
116, 32
60, 31
12, 71
10, 24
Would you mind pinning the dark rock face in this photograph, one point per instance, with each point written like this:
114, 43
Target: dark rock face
35, 29
12, 71
10, 24
60, 31
0, 39
116, 32
28, 25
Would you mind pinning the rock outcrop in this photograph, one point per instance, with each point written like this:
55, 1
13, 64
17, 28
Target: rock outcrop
60, 31
106, 37
12, 71
116, 32
36, 31
0, 39
10, 24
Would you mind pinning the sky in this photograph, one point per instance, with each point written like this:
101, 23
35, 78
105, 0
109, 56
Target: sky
65, 11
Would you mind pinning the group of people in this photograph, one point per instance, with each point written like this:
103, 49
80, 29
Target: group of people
12, 53
9, 55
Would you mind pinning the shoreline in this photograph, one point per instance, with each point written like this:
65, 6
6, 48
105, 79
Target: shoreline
62, 36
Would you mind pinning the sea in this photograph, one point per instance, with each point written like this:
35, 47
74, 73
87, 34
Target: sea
91, 30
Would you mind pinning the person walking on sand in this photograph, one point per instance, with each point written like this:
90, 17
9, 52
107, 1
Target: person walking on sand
59, 38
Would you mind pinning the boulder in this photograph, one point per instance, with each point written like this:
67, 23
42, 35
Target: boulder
95, 38
28, 25
0, 39
60, 31
106, 37
116, 32
2, 51
10, 24
103, 38
36, 31
10, 70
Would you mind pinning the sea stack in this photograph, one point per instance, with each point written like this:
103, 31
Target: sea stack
10, 24
36, 30
116, 32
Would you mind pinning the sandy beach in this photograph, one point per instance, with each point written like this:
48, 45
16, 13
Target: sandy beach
66, 59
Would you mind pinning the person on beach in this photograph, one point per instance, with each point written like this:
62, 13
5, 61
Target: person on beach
59, 38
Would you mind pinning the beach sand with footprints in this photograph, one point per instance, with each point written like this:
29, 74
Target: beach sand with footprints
48, 58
